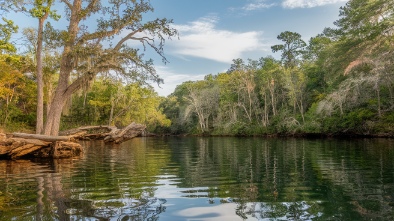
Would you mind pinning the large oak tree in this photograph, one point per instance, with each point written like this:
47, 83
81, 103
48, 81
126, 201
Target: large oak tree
96, 41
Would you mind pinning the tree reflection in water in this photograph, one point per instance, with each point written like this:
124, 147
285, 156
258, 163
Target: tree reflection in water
21, 183
127, 209
33, 191
206, 179
86, 188
293, 179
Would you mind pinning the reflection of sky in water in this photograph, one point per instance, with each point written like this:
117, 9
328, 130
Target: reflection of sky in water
206, 179
180, 208
197, 206
216, 212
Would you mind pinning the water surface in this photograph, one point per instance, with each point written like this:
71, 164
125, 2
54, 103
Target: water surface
197, 178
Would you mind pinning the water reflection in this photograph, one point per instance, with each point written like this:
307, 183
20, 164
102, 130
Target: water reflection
206, 179
33, 191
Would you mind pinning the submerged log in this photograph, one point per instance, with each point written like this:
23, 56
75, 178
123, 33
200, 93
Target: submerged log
23, 146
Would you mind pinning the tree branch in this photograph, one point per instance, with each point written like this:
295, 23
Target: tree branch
98, 35
89, 9
67, 3
124, 39
77, 84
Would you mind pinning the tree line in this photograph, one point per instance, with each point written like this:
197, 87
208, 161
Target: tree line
340, 82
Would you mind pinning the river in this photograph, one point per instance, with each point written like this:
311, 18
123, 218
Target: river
206, 178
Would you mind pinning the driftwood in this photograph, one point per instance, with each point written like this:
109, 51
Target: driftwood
19, 145
42, 137
22, 145
31, 141
63, 149
4, 150
129, 132
106, 133
89, 130
23, 150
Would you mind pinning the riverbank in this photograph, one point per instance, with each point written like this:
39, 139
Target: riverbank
300, 135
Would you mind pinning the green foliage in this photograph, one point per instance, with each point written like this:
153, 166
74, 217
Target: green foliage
354, 122
341, 82
17, 93
386, 124
6, 31
111, 102
43, 8
292, 48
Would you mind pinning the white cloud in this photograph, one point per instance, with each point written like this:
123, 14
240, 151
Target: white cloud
202, 39
256, 5
171, 80
219, 210
308, 3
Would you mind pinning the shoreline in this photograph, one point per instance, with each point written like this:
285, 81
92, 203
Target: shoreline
281, 135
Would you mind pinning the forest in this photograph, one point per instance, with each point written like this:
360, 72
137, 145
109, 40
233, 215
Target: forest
340, 82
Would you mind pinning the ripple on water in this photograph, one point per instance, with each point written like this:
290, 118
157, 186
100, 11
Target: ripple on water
207, 178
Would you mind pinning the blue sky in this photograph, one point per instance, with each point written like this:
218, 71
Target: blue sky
214, 32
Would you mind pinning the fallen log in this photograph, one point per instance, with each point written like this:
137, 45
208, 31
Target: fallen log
4, 150
23, 150
42, 137
107, 133
63, 149
22, 145
127, 133
31, 141
90, 132
18, 149
2, 137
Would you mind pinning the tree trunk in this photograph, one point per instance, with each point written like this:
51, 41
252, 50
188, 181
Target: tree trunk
111, 114
40, 84
265, 118
272, 91
64, 91
377, 86
53, 122
40, 90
